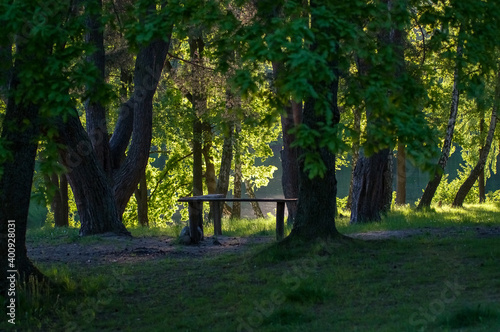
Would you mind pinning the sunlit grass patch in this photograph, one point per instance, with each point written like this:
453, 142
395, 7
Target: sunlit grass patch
441, 217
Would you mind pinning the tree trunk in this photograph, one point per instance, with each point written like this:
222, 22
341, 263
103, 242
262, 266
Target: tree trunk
101, 201
291, 117
255, 205
401, 176
93, 194
317, 197
95, 110
355, 154
370, 188
236, 210
59, 204
483, 154
226, 159
141, 196
433, 184
210, 178
481, 180
148, 68
197, 157
16, 178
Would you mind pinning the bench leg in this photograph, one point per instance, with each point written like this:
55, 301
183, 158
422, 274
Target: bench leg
280, 220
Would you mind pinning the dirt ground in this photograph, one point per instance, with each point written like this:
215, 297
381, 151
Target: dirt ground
119, 249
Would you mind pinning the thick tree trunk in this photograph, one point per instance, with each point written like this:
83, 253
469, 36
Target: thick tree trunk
93, 193
370, 188
317, 204
148, 68
433, 184
401, 175
483, 154
95, 110
21, 136
141, 196
317, 197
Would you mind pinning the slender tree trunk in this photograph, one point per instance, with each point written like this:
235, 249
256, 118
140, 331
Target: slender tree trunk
210, 178
481, 180
59, 204
401, 175
483, 154
236, 210
255, 205
355, 154
433, 184
226, 159
141, 196
291, 117
197, 157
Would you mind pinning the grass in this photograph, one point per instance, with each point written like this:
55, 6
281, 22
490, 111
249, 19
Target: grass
422, 283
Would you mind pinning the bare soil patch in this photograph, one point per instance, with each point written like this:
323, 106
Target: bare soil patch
111, 249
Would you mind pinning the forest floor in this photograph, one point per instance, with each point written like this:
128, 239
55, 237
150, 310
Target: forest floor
112, 249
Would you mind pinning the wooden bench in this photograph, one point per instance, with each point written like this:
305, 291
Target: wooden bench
195, 205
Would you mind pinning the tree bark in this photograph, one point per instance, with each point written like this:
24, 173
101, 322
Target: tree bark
433, 184
148, 68
236, 210
317, 197
292, 116
355, 154
370, 189
95, 110
59, 204
210, 178
226, 159
141, 196
197, 157
93, 193
401, 175
481, 179
483, 154
20, 131
255, 205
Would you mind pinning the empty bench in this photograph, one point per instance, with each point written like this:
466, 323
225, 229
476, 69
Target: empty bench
195, 206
